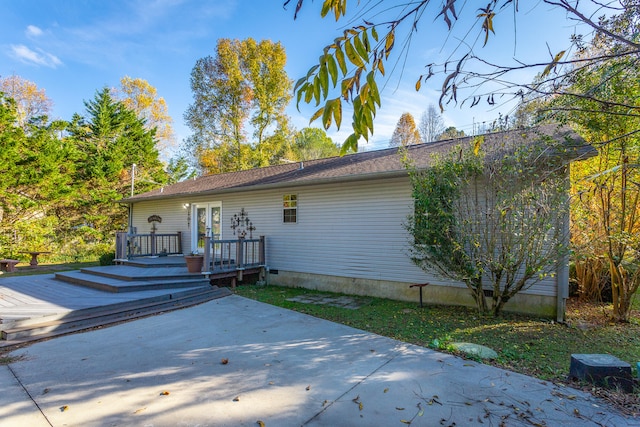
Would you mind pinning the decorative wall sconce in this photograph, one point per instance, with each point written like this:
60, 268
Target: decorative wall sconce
187, 207
243, 224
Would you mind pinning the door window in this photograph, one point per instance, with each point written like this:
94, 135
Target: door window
208, 216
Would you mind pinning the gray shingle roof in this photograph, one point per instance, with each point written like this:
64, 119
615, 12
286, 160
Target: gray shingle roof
363, 165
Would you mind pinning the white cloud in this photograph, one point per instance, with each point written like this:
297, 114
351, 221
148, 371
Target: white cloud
28, 56
33, 31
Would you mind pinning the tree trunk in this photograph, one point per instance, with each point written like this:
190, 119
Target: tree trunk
620, 313
478, 294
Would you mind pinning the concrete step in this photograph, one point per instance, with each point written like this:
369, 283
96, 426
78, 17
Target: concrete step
112, 284
24, 331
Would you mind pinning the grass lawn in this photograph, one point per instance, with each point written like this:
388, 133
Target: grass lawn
24, 269
533, 346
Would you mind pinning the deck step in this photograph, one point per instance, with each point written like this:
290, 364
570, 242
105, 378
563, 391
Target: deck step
115, 285
24, 330
132, 273
96, 310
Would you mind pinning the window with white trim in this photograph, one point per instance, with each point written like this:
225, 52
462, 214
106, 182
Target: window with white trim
290, 208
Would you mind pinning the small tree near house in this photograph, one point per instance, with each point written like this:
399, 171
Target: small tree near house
489, 218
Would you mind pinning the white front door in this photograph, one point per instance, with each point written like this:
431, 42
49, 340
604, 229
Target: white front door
206, 223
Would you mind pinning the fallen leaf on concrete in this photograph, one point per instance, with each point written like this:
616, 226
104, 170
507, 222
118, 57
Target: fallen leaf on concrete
45, 391
308, 388
164, 393
356, 399
224, 361
399, 409
139, 410
385, 390
360, 406
64, 408
405, 421
236, 399
260, 423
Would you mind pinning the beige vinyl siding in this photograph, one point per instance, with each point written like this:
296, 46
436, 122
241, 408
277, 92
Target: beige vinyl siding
352, 229
174, 216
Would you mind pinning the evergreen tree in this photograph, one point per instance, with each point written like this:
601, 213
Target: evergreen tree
111, 139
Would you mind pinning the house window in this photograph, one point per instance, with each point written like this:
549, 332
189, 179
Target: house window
290, 208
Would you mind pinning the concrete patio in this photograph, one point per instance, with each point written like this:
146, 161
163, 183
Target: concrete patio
283, 369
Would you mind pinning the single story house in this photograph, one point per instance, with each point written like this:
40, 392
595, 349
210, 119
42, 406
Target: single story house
336, 224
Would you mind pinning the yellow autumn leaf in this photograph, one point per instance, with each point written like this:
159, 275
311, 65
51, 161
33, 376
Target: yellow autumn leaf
64, 408
164, 393
260, 423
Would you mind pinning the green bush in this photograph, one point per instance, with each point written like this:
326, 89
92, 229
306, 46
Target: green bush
107, 258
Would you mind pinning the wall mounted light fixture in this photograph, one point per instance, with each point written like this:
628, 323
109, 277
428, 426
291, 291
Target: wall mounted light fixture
187, 206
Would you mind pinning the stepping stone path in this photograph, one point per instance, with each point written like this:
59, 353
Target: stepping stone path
320, 299
475, 350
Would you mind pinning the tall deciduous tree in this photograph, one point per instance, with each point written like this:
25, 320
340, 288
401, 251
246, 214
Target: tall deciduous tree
406, 133
431, 124
352, 64
31, 102
138, 95
606, 206
312, 143
451, 133
243, 86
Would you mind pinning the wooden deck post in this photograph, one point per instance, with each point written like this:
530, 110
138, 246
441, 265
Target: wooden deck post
240, 253
207, 253
121, 245
153, 243
261, 250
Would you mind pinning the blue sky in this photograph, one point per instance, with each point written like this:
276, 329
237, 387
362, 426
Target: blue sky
72, 48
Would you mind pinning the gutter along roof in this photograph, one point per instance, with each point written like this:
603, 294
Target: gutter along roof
366, 165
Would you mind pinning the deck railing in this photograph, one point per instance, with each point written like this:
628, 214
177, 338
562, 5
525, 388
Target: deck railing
153, 244
228, 255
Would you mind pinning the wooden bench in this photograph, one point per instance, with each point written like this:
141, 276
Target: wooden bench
8, 265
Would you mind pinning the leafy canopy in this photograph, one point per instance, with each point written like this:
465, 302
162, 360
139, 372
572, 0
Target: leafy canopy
351, 66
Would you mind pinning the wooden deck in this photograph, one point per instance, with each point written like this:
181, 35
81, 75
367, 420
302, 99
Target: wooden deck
119, 291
